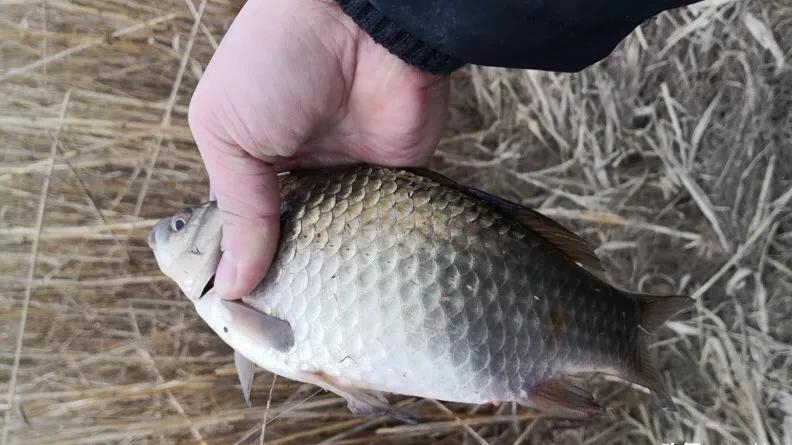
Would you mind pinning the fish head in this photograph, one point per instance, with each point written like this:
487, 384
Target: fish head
187, 247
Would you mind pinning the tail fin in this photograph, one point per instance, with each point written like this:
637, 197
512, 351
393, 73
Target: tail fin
654, 310
657, 309
648, 377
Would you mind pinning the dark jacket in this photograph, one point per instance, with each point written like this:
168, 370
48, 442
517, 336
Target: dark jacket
439, 36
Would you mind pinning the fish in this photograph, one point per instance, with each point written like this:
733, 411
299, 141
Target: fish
394, 280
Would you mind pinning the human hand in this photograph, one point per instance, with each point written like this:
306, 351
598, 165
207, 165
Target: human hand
295, 83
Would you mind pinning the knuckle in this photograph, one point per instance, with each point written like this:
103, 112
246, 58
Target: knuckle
240, 209
234, 221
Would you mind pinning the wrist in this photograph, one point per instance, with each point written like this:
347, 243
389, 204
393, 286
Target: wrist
397, 41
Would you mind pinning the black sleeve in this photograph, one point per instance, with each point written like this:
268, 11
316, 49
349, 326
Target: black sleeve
439, 36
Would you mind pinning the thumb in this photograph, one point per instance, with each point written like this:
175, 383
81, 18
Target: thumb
248, 196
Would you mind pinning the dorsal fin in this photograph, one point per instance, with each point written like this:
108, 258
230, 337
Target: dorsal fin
572, 245
655, 310
575, 247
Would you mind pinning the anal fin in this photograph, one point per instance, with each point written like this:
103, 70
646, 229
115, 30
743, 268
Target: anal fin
245, 370
360, 402
562, 397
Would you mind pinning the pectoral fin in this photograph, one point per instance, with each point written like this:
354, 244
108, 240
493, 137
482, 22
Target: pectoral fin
360, 402
245, 370
261, 328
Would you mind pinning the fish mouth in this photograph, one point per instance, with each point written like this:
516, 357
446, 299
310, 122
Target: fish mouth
152, 240
209, 286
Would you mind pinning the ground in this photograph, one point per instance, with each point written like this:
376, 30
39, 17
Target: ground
673, 157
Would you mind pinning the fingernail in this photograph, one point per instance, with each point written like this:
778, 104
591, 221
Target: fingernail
225, 277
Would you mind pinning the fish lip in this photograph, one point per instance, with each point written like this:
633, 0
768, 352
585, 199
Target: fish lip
152, 241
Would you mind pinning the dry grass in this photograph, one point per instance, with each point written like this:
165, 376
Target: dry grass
674, 156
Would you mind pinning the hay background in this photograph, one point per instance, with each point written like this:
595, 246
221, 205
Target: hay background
673, 156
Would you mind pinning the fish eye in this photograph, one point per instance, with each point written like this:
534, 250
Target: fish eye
178, 223
180, 220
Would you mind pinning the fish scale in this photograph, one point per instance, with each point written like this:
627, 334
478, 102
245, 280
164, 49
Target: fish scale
400, 280
444, 263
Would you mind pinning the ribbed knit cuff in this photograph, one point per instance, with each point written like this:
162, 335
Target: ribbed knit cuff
399, 42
